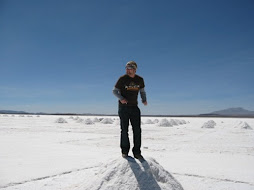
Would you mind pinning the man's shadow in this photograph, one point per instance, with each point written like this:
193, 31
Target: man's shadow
146, 179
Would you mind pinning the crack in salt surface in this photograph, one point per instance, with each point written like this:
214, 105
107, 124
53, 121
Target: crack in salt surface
214, 178
46, 177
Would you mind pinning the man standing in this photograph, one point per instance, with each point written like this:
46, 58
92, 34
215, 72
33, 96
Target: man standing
126, 90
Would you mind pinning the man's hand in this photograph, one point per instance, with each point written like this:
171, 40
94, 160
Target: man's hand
124, 101
145, 103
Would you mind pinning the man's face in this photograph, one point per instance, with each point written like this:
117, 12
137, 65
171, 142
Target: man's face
130, 71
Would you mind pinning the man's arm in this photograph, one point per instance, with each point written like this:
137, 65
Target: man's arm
143, 96
117, 93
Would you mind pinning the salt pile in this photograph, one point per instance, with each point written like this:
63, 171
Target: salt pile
96, 120
173, 122
88, 121
61, 120
180, 122
170, 123
107, 121
156, 121
148, 121
245, 125
122, 174
79, 120
209, 124
164, 123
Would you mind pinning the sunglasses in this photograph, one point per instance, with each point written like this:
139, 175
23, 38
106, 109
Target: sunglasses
129, 68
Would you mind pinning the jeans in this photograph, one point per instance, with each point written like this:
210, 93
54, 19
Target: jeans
132, 114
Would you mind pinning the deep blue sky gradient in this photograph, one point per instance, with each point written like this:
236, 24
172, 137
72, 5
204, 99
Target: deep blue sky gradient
65, 56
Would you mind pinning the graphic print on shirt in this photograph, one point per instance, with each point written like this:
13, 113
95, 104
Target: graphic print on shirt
132, 87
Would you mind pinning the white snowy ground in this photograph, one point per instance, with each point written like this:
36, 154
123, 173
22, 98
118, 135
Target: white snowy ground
45, 153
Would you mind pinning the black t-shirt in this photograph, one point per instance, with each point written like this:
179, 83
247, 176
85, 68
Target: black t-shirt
129, 88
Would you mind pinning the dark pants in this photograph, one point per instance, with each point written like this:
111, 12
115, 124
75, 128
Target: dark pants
132, 114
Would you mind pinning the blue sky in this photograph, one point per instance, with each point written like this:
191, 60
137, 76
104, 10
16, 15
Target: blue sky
66, 56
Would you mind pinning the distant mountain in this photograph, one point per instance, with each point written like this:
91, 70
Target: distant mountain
12, 112
232, 112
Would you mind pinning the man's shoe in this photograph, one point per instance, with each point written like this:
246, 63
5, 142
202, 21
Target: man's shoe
138, 156
124, 155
